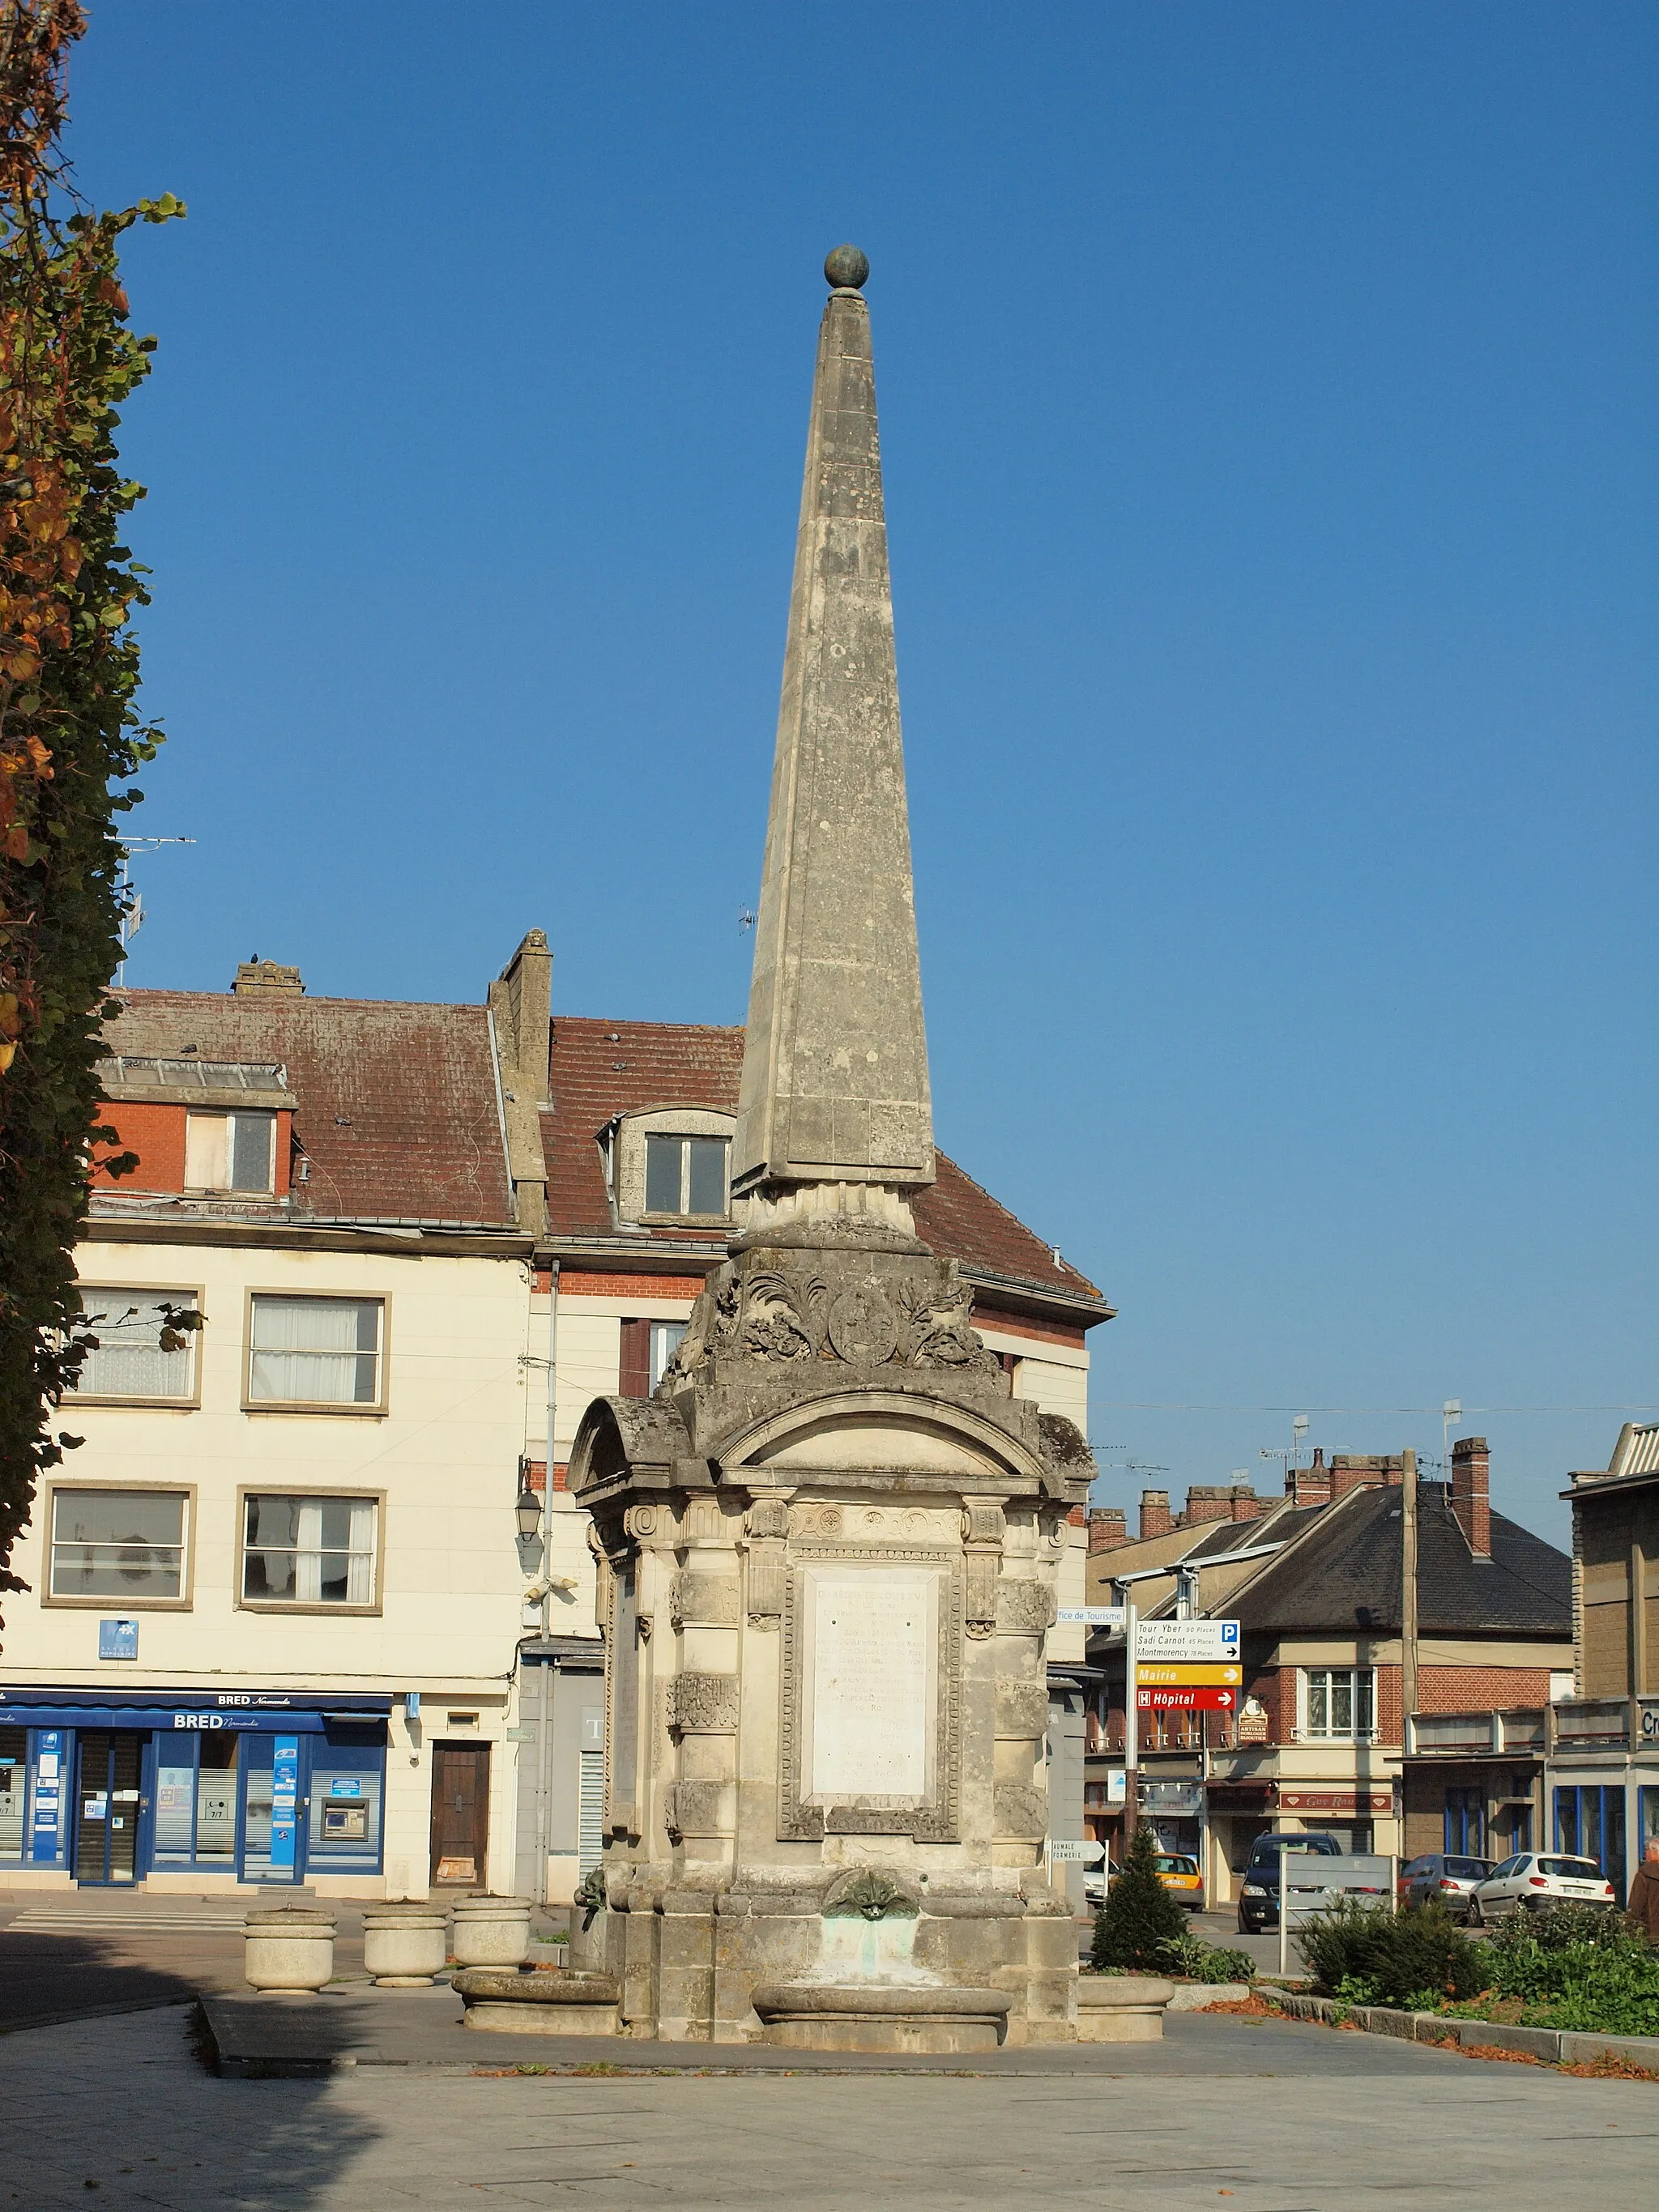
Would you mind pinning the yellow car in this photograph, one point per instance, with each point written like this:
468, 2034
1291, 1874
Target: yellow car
1180, 1874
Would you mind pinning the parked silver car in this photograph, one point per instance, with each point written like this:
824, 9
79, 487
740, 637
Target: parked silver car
1532, 1879
1440, 1874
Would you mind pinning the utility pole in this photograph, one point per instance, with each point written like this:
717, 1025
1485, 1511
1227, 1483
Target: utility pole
1407, 1589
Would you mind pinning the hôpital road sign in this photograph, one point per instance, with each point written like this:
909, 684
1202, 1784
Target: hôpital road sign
1162, 1673
1186, 1639
1195, 1701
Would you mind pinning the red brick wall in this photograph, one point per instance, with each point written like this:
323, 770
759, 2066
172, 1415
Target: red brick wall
590, 1286
1482, 1689
156, 1134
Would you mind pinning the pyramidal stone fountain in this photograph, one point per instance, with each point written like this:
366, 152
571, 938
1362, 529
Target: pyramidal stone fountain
829, 1542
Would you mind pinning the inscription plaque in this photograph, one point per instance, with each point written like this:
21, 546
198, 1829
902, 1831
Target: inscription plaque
871, 1680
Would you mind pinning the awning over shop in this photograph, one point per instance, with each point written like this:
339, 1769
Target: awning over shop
273, 1712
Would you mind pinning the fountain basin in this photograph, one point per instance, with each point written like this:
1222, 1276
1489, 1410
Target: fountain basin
543, 2001
1122, 2008
880, 2016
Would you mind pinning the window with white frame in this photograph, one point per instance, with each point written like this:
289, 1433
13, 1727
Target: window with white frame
686, 1176
139, 1350
308, 1551
231, 1152
316, 1352
123, 1544
1339, 1701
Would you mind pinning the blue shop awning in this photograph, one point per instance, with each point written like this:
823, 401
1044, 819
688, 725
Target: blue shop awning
261, 1712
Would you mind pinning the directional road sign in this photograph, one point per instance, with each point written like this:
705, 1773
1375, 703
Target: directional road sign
1195, 1701
1188, 1639
1158, 1672
1060, 1848
1092, 1616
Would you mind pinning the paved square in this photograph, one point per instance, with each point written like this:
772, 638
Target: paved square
1262, 2118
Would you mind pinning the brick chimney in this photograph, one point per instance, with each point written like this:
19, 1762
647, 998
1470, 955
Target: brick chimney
1108, 1528
1246, 1505
1155, 1513
1471, 1492
264, 979
1361, 1471
1208, 1501
1310, 1485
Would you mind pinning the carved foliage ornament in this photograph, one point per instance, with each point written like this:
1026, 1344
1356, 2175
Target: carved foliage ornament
782, 1311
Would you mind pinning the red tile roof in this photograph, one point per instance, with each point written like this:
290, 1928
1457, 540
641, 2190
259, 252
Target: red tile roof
603, 1068
396, 1108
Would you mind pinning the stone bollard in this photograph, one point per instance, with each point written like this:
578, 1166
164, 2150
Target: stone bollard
404, 1945
491, 1931
288, 1946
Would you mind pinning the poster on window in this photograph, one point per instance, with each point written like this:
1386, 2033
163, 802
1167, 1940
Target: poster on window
285, 1801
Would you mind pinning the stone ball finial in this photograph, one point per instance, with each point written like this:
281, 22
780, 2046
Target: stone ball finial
846, 268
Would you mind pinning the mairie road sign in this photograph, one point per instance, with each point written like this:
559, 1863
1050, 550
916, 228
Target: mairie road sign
1186, 1639
1178, 1700
1163, 1674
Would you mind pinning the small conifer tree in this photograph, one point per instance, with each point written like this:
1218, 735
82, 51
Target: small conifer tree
1139, 1915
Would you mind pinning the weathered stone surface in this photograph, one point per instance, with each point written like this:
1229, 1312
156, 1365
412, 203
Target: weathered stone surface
1021, 1812
703, 1703
1024, 1607
835, 1077
703, 1598
1022, 1707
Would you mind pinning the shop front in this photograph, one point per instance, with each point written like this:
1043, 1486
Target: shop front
250, 1786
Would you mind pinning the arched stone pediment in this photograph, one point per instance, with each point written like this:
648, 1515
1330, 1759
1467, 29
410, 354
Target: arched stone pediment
879, 1430
619, 1433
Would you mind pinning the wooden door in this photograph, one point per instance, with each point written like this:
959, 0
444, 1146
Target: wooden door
460, 1812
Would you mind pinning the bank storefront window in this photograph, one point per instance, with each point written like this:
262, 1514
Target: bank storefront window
255, 1787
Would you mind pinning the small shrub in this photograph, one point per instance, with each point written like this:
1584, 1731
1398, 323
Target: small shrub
1139, 1917
1398, 1956
1189, 1954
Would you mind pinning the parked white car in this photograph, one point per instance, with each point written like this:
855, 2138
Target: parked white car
1532, 1879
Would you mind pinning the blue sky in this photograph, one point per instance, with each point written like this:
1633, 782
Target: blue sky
1269, 427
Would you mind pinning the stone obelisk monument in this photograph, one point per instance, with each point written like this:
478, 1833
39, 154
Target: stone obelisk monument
828, 1543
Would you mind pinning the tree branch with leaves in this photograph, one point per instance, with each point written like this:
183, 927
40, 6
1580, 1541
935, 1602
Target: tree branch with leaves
70, 735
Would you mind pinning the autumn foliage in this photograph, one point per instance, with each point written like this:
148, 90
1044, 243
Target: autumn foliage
71, 736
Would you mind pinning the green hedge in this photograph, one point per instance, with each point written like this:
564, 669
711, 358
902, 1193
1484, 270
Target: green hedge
1565, 1967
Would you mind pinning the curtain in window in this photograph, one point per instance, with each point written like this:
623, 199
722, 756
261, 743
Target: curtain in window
360, 1576
314, 1351
129, 1362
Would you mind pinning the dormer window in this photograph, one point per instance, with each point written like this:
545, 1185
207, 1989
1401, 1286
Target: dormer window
230, 1152
670, 1163
686, 1176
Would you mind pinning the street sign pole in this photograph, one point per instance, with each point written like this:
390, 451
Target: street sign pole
1283, 1917
1131, 1716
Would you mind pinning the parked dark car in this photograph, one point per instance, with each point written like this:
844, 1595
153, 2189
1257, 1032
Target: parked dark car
1442, 1875
1258, 1895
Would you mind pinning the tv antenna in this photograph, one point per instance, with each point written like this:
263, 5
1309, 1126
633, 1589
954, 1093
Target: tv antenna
746, 918
131, 905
